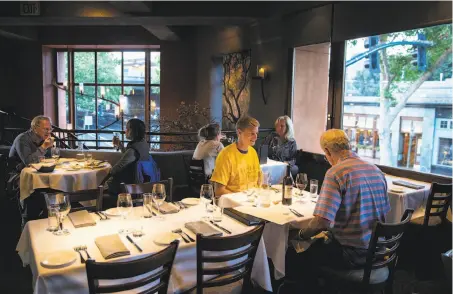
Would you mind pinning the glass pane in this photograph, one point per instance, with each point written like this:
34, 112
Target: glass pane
410, 134
155, 67
84, 67
107, 119
85, 113
109, 67
134, 67
154, 115
135, 103
62, 67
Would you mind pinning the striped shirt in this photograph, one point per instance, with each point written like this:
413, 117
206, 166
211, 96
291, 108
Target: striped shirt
353, 197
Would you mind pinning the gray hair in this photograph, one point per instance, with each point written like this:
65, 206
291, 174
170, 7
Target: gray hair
37, 120
335, 140
289, 133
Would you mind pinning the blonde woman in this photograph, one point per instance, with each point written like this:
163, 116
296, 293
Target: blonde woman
209, 146
282, 145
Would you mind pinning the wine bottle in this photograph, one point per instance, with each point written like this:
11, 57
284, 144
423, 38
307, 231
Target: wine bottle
287, 189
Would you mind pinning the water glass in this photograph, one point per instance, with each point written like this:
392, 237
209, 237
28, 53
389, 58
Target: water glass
58, 206
80, 156
217, 213
147, 205
41, 159
206, 196
159, 196
314, 188
89, 157
124, 206
52, 221
55, 152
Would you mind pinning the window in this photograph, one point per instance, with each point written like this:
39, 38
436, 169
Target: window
385, 75
451, 125
107, 84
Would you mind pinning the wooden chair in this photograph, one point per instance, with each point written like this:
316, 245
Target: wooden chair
245, 245
86, 195
377, 273
161, 263
139, 189
432, 232
439, 200
197, 176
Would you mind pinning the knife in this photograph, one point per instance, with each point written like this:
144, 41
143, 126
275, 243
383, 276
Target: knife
222, 228
135, 244
296, 213
149, 209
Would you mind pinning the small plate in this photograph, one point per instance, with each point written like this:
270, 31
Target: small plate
59, 259
113, 212
190, 201
397, 189
166, 238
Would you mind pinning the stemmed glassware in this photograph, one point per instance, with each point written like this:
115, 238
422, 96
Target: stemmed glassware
124, 205
159, 196
301, 183
206, 197
55, 152
59, 206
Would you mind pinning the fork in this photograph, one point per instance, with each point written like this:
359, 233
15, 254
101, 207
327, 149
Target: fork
77, 249
84, 248
101, 215
182, 205
179, 232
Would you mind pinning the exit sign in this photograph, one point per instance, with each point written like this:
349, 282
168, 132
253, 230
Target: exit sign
30, 8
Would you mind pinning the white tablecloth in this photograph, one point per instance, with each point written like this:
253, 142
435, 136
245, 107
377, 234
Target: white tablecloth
409, 198
277, 170
276, 231
35, 242
61, 179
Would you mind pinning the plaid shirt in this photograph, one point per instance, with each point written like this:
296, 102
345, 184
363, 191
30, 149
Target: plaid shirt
353, 197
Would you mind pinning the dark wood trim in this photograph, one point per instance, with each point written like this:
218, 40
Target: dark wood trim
147, 90
289, 83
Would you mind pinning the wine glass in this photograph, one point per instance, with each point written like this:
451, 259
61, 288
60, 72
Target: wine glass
159, 196
60, 205
124, 205
55, 152
206, 196
301, 183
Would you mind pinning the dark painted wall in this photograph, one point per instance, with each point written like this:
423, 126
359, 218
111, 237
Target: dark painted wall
270, 40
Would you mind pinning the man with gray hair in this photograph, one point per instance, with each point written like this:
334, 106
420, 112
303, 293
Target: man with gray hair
30, 145
353, 198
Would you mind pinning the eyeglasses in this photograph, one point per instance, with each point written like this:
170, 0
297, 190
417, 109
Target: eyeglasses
47, 129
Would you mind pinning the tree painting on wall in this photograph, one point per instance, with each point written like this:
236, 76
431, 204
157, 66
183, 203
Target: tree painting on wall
236, 87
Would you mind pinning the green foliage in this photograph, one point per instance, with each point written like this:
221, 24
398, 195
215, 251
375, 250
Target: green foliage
366, 83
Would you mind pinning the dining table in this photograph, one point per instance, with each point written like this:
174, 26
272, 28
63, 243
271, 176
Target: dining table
36, 243
69, 175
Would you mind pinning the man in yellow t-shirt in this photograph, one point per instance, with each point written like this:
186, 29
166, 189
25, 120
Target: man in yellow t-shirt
237, 166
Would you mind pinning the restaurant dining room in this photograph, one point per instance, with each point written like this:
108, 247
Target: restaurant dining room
226, 147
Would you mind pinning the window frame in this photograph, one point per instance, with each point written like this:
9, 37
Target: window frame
72, 85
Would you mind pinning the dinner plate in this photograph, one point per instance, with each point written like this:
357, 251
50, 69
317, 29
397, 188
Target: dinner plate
59, 259
397, 189
190, 201
113, 212
166, 238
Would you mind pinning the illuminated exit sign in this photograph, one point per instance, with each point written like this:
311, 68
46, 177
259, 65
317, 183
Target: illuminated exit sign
30, 8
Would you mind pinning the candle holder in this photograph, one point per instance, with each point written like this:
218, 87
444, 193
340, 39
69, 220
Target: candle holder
261, 75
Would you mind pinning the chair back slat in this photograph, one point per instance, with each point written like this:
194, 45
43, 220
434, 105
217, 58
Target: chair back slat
380, 254
227, 257
245, 246
161, 262
86, 195
137, 190
437, 205
197, 176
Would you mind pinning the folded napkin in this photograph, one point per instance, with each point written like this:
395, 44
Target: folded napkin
167, 208
202, 228
111, 246
81, 219
39, 165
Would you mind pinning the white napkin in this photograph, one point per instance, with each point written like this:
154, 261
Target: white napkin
81, 219
167, 208
111, 246
203, 228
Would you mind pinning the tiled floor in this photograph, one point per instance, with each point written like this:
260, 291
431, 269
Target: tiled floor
15, 279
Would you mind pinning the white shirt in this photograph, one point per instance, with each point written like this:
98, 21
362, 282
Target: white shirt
208, 151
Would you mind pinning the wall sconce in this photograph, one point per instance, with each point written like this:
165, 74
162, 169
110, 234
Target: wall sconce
102, 92
65, 85
261, 75
123, 103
